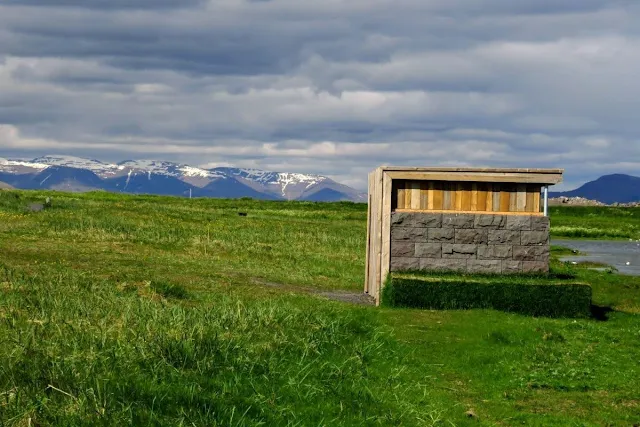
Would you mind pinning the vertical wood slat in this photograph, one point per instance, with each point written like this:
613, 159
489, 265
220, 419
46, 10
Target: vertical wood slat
424, 195
481, 203
459, 192
415, 195
401, 195
373, 238
447, 203
521, 198
378, 237
530, 204
513, 199
368, 254
430, 195
489, 201
385, 267
497, 195
465, 189
536, 199
438, 196
505, 199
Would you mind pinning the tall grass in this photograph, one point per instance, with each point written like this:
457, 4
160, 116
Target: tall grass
136, 310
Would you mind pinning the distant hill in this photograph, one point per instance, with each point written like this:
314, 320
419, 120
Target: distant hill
327, 195
616, 188
5, 186
69, 173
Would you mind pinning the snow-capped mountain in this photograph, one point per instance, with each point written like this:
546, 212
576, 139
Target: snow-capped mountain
160, 177
290, 186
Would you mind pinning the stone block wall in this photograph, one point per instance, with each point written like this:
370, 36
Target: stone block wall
473, 243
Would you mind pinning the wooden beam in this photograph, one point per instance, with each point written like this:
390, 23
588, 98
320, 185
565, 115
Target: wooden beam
473, 212
385, 260
512, 177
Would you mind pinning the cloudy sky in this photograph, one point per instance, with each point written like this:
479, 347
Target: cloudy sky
335, 87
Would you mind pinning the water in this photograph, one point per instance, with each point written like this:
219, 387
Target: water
614, 253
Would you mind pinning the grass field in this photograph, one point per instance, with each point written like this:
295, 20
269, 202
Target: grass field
595, 222
123, 310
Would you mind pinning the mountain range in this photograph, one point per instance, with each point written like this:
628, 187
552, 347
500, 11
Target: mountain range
68, 173
616, 188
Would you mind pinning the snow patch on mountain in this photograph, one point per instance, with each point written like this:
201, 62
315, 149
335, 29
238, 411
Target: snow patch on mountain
95, 166
286, 184
168, 168
9, 165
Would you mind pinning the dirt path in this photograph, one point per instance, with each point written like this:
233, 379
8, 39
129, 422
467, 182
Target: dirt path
359, 298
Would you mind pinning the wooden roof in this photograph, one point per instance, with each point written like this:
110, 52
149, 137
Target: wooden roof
469, 174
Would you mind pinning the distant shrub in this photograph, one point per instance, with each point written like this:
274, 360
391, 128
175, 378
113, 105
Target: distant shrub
535, 299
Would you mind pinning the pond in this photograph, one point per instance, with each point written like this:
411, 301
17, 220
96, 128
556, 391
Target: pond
623, 255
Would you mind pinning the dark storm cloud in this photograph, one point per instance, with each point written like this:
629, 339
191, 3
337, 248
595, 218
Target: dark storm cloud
325, 87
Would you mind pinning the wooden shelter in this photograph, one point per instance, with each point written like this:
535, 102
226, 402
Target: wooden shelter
471, 191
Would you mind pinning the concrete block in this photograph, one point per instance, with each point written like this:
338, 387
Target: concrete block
458, 251
531, 253
439, 264
443, 235
528, 238
540, 223
407, 234
402, 219
403, 249
457, 220
427, 220
404, 263
429, 250
495, 252
484, 266
468, 236
535, 267
511, 267
518, 222
490, 221
504, 237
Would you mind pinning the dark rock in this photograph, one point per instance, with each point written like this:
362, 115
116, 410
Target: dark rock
495, 251
509, 237
403, 249
468, 236
458, 251
428, 250
404, 263
484, 266
445, 235
490, 221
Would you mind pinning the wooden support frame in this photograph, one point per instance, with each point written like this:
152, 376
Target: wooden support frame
383, 199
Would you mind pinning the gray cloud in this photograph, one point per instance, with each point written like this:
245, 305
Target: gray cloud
326, 87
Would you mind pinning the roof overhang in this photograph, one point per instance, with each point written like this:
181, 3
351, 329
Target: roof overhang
466, 174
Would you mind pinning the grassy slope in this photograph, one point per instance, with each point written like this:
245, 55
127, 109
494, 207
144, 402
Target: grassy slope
118, 309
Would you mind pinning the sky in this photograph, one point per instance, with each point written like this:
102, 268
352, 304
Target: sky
334, 87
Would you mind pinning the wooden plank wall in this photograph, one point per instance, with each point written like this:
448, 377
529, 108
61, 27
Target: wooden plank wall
374, 235
466, 196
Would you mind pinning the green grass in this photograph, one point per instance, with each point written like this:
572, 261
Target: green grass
133, 310
595, 222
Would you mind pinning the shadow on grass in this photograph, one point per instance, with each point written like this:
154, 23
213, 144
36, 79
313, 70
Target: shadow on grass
600, 312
